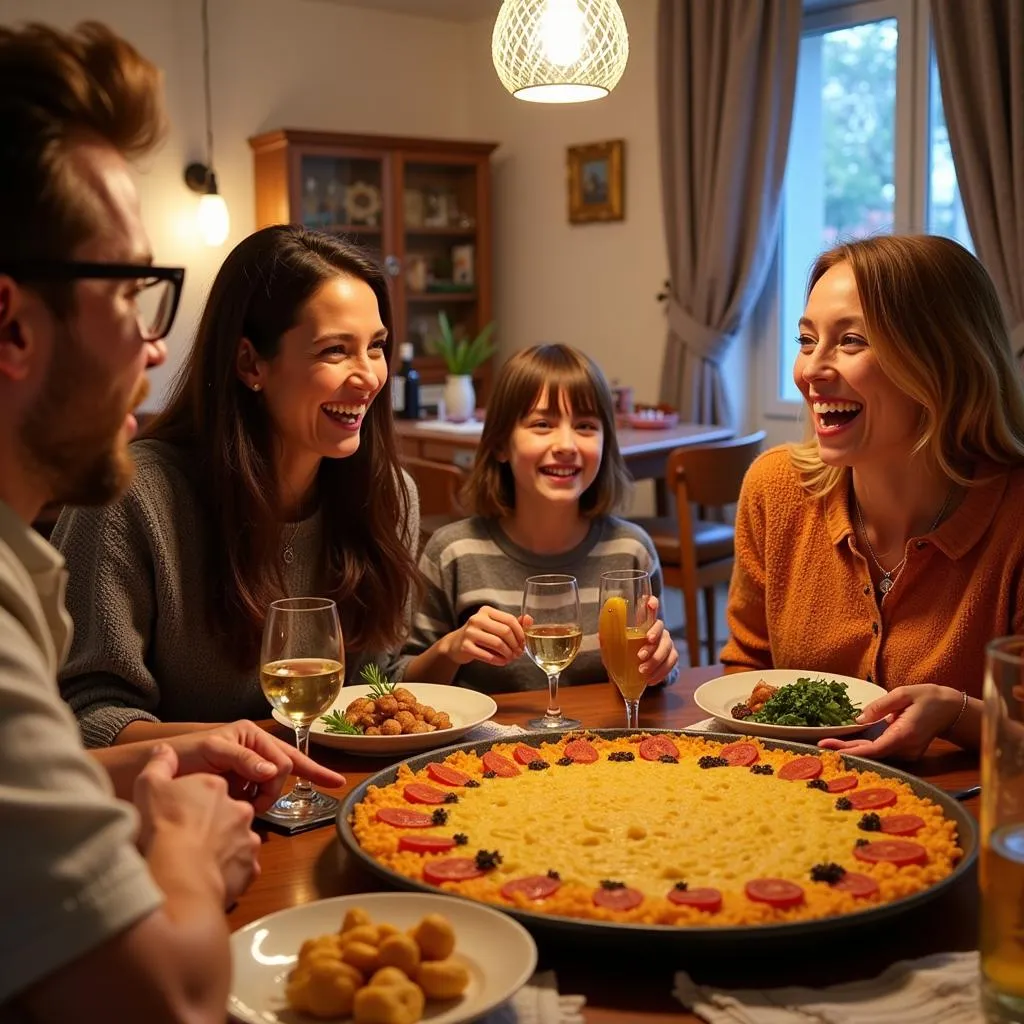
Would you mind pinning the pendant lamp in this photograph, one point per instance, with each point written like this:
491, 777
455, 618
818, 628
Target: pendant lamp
559, 51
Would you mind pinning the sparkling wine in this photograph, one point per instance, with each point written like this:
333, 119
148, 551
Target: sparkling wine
553, 647
302, 689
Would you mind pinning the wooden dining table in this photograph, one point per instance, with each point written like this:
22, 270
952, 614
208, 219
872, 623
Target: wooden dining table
624, 982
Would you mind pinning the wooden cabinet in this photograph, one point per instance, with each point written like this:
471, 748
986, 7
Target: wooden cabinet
422, 206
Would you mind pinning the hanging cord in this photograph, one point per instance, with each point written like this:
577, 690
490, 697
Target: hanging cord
206, 86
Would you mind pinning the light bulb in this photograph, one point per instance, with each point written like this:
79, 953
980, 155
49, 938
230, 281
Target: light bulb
561, 32
213, 219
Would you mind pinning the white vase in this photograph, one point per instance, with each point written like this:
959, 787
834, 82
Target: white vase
459, 397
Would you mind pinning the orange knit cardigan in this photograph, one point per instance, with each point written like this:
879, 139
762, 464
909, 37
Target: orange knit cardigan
801, 595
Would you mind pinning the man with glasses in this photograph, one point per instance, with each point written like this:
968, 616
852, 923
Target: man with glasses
108, 912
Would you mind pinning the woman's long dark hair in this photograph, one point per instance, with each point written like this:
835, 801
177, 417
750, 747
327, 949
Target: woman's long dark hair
224, 428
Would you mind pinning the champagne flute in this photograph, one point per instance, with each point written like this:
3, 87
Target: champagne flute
302, 668
622, 626
553, 638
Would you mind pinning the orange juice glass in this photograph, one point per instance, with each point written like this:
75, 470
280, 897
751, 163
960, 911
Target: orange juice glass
623, 622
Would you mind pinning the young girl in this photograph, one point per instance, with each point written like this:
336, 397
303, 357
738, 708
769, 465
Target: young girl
548, 473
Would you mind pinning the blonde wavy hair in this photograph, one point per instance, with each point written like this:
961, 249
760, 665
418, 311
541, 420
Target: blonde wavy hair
935, 324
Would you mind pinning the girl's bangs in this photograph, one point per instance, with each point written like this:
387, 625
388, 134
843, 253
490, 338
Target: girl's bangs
571, 383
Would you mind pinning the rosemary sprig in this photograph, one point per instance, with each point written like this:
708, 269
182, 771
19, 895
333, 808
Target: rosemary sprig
380, 685
336, 722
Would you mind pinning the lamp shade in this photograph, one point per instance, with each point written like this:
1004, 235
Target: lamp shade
212, 218
559, 51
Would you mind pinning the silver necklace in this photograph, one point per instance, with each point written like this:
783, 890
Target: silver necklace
889, 576
288, 552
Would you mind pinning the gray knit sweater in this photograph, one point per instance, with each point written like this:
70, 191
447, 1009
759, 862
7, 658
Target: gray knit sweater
142, 648
473, 562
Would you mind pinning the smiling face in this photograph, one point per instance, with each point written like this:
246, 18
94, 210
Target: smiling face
554, 453
858, 413
328, 368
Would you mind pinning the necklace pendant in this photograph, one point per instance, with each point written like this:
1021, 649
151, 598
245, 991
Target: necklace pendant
288, 556
885, 585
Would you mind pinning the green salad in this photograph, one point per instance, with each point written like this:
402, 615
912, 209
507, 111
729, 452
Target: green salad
809, 702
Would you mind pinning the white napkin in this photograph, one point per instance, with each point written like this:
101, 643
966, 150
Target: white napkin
492, 731
939, 989
706, 725
538, 1002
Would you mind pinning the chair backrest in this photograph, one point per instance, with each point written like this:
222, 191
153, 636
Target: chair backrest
438, 483
711, 474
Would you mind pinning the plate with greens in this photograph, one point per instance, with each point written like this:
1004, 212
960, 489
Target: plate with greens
789, 704
367, 719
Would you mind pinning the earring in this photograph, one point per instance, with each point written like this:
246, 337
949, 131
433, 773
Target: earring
256, 387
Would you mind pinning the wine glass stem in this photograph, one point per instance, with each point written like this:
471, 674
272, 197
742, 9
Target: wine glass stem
632, 714
553, 711
302, 790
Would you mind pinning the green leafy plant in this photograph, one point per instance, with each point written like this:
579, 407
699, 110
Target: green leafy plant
462, 356
336, 722
380, 685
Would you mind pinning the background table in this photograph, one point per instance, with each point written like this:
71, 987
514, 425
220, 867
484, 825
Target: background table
645, 451
621, 984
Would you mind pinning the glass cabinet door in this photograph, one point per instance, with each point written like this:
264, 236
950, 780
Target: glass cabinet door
343, 195
440, 258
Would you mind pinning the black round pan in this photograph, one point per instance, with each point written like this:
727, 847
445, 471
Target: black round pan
551, 923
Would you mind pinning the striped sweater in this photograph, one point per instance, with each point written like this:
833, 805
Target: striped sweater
473, 563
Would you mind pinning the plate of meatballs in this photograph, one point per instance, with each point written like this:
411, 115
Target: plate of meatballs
405, 719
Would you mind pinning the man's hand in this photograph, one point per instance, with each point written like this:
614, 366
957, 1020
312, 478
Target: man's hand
250, 759
196, 809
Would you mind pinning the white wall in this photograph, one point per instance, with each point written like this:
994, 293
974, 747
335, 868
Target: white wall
274, 64
308, 64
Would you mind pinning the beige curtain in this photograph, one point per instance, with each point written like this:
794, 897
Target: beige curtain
726, 77
980, 52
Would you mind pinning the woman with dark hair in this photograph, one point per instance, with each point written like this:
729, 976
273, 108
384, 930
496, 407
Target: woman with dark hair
890, 544
273, 471
547, 479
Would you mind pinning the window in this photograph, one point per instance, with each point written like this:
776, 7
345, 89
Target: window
863, 157
945, 209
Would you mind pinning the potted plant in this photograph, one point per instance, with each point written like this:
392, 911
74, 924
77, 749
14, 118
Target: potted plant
461, 357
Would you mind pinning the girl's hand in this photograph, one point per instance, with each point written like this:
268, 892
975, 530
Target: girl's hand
491, 636
916, 715
659, 656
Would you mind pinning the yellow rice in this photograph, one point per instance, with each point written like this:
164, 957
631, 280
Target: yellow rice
650, 824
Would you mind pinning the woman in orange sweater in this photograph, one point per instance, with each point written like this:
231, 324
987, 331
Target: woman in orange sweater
890, 545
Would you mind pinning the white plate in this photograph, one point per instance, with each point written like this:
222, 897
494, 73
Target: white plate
499, 952
465, 708
718, 696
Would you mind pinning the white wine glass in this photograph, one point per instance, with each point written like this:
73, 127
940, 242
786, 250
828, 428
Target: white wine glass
302, 668
622, 626
553, 637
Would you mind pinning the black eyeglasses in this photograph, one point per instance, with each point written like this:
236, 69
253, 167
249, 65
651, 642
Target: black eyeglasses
157, 294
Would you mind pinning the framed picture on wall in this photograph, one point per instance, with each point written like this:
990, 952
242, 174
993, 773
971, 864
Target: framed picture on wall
595, 174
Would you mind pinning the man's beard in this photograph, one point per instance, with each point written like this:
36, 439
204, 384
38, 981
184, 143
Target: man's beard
73, 435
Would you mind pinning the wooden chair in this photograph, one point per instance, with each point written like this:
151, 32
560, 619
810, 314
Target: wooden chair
696, 552
439, 485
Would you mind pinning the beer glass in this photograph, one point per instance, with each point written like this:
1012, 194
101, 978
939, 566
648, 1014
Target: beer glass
1002, 833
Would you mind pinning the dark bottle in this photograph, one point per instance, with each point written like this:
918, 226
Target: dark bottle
407, 386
